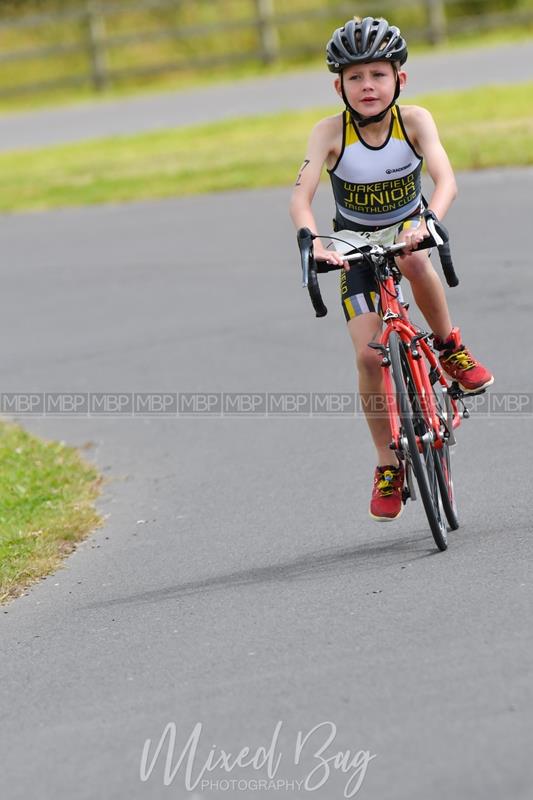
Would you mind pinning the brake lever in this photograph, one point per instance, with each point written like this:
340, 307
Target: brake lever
305, 244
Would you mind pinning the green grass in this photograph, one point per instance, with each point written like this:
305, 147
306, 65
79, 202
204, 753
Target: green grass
133, 55
481, 128
46, 506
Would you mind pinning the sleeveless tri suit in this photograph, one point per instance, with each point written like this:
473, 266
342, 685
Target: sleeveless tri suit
377, 193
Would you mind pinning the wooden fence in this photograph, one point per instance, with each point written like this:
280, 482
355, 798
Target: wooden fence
92, 43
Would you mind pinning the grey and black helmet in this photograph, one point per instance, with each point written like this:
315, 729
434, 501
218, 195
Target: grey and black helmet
359, 42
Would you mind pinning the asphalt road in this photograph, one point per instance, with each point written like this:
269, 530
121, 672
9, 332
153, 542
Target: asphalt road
457, 69
238, 581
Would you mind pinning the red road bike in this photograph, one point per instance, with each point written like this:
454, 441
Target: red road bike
421, 405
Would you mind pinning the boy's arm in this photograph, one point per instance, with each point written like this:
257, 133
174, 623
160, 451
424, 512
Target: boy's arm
427, 141
437, 163
318, 149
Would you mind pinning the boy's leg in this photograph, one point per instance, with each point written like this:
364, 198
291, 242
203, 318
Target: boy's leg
364, 329
428, 291
430, 298
360, 303
386, 500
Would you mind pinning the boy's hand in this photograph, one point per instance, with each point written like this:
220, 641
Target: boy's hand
413, 236
330, 256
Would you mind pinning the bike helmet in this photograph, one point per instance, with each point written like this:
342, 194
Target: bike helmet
360, 41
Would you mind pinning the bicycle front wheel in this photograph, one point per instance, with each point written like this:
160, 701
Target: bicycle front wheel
417, 439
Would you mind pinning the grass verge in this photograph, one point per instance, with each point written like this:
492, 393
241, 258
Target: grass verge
176, 80
481, 128
47, 494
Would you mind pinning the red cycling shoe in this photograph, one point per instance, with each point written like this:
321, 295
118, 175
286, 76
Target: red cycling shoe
458, 363
386, 503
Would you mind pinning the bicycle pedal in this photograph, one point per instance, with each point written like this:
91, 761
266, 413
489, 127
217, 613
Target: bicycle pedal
457, 393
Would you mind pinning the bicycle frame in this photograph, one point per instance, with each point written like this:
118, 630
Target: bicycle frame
421, 408
395, 318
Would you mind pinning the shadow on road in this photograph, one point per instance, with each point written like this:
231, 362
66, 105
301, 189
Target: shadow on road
363, 558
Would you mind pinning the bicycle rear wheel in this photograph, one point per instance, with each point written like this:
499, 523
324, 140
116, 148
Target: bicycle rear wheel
444, 477
419, 452
442, 459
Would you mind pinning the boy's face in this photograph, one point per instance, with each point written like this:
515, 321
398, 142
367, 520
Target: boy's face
370, 88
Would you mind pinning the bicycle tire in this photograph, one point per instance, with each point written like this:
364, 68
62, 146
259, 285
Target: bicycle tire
413, 423
442, 458
447, 492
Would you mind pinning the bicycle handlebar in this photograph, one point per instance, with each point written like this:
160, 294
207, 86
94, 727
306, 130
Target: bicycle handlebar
438, 238
441, 237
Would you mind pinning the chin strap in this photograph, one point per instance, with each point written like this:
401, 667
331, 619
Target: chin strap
358, 118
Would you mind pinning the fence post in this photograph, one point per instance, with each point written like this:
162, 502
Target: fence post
95, 27
268, 33
436, 14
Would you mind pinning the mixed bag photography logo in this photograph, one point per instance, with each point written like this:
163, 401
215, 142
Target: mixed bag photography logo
312, 753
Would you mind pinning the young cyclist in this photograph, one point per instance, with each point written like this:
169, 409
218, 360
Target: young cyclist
374, 153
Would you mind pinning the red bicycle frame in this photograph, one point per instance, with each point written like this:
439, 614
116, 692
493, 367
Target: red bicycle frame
396, 319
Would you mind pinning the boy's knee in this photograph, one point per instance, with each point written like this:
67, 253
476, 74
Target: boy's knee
368, 360
416, 265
